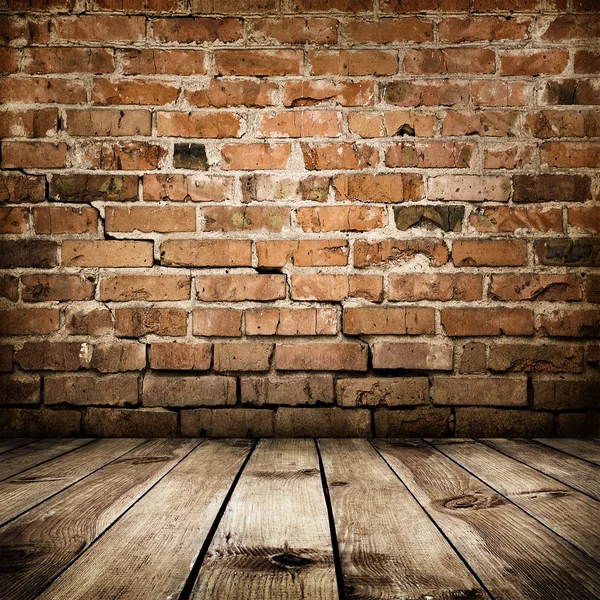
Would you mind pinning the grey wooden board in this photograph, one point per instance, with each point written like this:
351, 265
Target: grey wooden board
47, 539
389, 548
514, 556
558, 506
575, 472
25, 457
274, 539
148, 553
7, 444
587, 449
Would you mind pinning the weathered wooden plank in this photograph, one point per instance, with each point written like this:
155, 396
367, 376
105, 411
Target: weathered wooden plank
566, 511
149, 552
385, 552
586, 449
21, 492
25, 457
514, 556
40, 544
7, 444
577, 473
274, 539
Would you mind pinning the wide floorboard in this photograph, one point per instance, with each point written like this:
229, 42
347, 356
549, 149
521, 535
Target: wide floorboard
339, 519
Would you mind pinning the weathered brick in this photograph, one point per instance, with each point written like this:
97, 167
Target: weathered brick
6, 358
106, 253
429, 154
313, 92
382, 391
391, 123
495, 422
204, 253
415, 422
9, 287
339, 156
541, 358
83, 321
111, 357
101, 28
565, 394
500, 93
552, 188
485, 123
94, 188
310, 356
222, 93
509, 156
341, 218
336, 288
584, 252
148, 92
186, 188
39, 422
294, 390
489, 253
384, 187
292, 30
236, 288
17, 187
487, 321
91, 390
571, 323
113, 123
163, 219
123, 422
199, 124
410, 287
14, 219
67, 60
387, 31
41, 90
444, 217
190, 156
531, 286
224, 322
180, 390
585, 219
450, 61
153, 288
505, 219
126, 156
242, 356
33, 155
426, 93
592, 288
551, 61
26, 321
422, 356
273, 188
484, 29
322, 422
248, 157
306, 123
227, 423
29, 123
303, 253
258, 62
563, 123
569, 154
137, 322
41, 288
353, 62
180, 357
53, 356
194, 30
164, 62
246, 218
28, 253
469, 188
65, 219
480, 390
398, 252
472, 358
20, 389
291, 321
390, 321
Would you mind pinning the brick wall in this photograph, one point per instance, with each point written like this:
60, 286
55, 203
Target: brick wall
300, 217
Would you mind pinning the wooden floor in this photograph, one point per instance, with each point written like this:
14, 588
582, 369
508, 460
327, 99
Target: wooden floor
299, 519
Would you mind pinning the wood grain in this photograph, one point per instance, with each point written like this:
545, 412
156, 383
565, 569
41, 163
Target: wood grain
576, 473
148, 553
385, 552
559, 507
514, 556
25, 457
7, 444
39, 545
274, 539
587, 449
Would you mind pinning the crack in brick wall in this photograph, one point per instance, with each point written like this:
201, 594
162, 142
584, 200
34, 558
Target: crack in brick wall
300, 217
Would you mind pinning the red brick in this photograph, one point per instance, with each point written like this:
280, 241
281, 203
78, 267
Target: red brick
339, 156
518, 5
351, 6
530, 286
248, 157
389, 321
484, 29
398, 252
353, 62
125, 422
583, 323
42, 288
473, 358
469, 188
341, 218
24, 30
292, 30
136, 5
291, 321
186, 188
164, 62
236, 288
9, 287
28, 253
489, 253
151, 288
65, 219
384, 187
16, 188
206, 253
222, 93
26, 321
86, 390
509, 156
242, 356
586, 61
501, 219
41, 90
137, 322
373, 391
224, 322
94, 188
149, 218
401, 6
585, 218
572, 27
308, 123
563, 123
149, 91
487, 321
36, 155
180, 357
84, 321
411, 287
430, 154
310, 356
552, 188
29, 123
480, 391
194, 30
322, 422
572, 91
259, 63
541, 358
106, 253
246, 218
387, 31
421, 356
336, 288
101, 28
233, 6
483, 123
569, 154
536, 62
53, 356
126, 156
199, 124
114, 357
450, 61
391, 123
292, 390
179, 390
112, 123
20, 389
500, 93
14, 220
426, 93
67, 60
312, 92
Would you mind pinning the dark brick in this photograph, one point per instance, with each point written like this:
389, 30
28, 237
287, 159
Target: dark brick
41, 254
190, 156
27, 422
19, 389
90, 188
572, 92
446, 218
566, 394
124, 422
415, 422
552, 188
559, 252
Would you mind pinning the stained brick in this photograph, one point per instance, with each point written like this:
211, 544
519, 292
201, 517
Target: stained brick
382, 391
476, 391
181, 390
